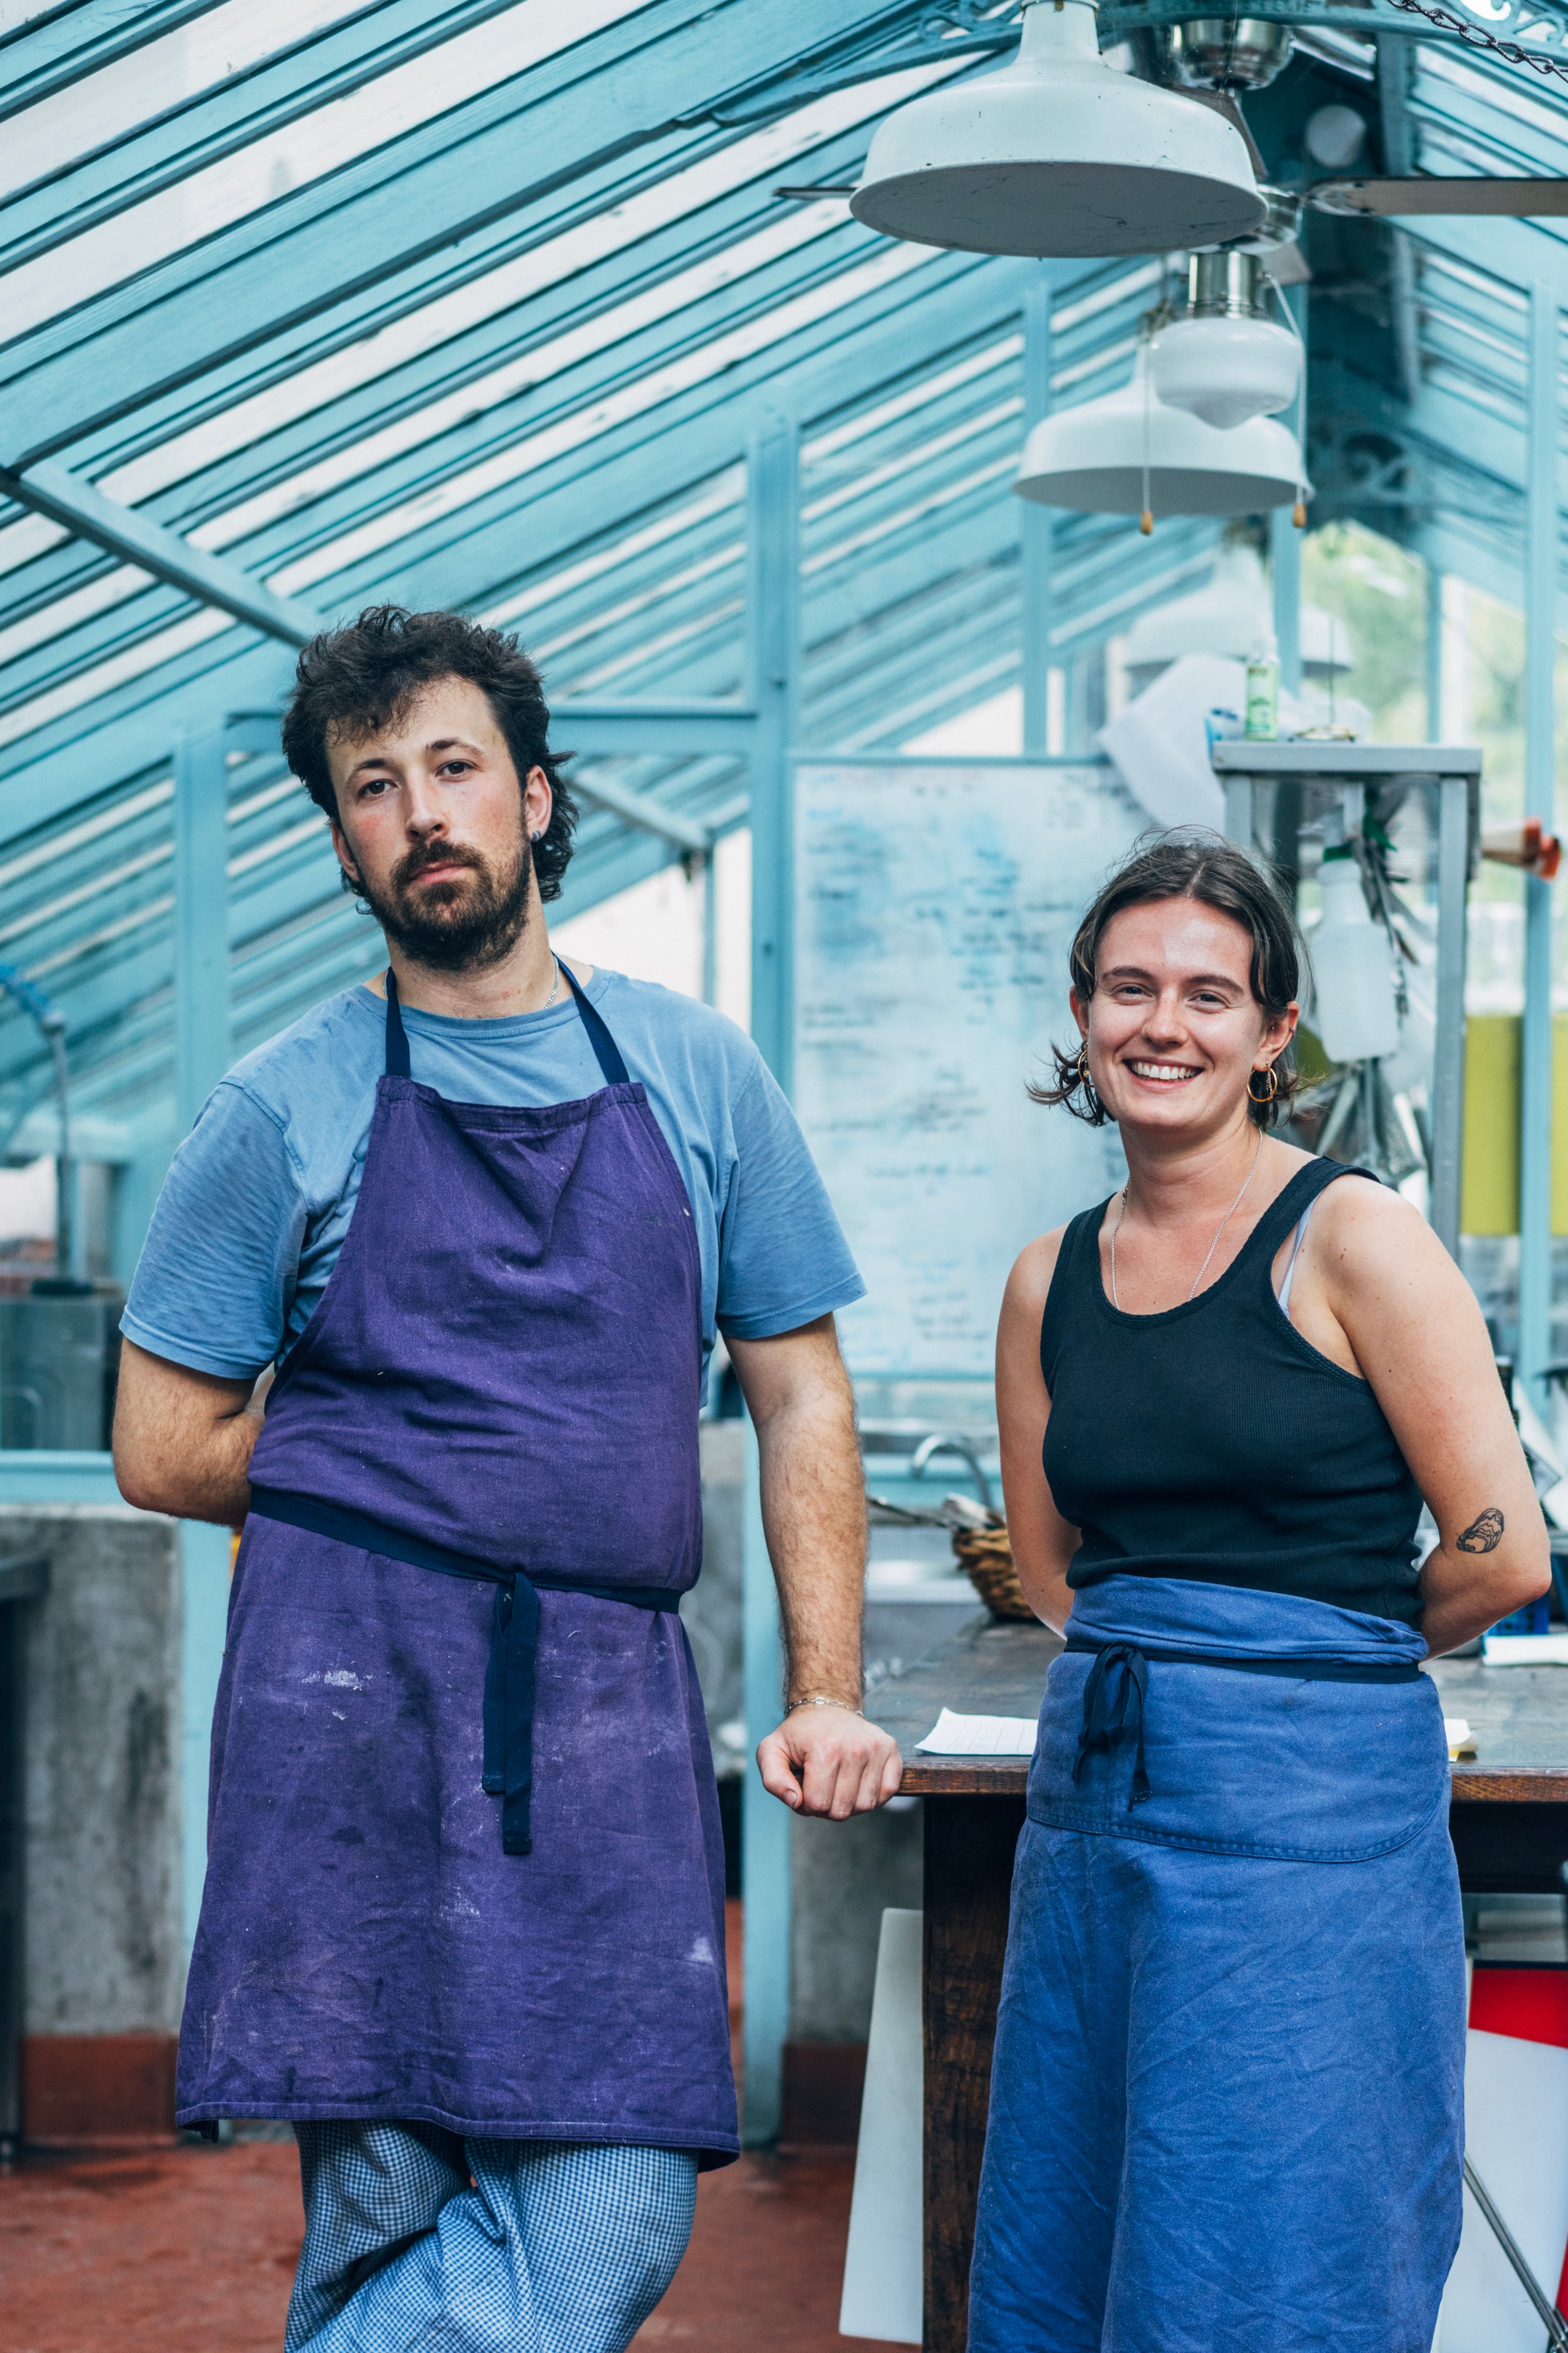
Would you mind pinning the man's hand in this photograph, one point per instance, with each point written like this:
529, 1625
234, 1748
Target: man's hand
183, 1439
828, 1761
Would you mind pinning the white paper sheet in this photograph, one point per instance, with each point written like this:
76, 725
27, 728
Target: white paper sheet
979, 1735
1525, 1650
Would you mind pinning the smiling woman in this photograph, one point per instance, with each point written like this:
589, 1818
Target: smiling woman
1223, 1397
1210, 874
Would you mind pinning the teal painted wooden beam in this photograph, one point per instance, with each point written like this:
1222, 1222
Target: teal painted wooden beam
1035, 526
773, 606
1285, 540
641, 810
53, 491
1539, 761
202, 1019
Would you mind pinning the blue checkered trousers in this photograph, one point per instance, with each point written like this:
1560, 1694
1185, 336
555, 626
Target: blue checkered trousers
416, 2239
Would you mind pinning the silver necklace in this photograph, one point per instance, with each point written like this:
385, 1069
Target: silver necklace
1219, 1229
555, 991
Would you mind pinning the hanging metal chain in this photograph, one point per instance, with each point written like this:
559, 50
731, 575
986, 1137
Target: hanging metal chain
1476, 36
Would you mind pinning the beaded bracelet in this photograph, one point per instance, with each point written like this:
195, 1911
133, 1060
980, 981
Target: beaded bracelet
824, 1699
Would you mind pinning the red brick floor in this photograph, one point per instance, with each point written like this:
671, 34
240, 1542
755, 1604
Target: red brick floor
765, 2264
178, 2248
191, 2250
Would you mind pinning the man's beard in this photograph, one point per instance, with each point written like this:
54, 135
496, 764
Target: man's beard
454, 927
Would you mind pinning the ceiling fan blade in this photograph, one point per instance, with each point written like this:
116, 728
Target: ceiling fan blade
1512, 199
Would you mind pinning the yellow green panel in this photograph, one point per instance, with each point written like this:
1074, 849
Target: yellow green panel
1489, 1201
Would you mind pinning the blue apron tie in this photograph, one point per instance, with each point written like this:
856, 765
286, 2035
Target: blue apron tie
1108, 1720
511, 1669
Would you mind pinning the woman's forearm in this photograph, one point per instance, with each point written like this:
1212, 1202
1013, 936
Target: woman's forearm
1464, 1592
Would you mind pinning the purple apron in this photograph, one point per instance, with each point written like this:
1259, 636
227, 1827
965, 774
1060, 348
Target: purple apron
464, 1861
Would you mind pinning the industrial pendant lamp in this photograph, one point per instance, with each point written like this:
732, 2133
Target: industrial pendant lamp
1129, 454
1058, 155
1225, 358
1223, 619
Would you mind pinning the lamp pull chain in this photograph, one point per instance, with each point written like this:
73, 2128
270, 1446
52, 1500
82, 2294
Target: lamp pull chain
1146, 519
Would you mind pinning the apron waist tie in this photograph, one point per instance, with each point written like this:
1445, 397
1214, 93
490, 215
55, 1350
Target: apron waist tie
510, 1670
1110, 1717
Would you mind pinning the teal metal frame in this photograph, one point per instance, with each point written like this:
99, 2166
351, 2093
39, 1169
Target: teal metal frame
1535, 1350
1038, 530
774, 661
1284, 538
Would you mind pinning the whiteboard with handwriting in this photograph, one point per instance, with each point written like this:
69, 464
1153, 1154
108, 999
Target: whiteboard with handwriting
934, 909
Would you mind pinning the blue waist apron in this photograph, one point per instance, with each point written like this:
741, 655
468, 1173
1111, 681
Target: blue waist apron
1226, 2103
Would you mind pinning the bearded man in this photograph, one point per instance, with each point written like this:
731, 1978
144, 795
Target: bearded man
463, 1920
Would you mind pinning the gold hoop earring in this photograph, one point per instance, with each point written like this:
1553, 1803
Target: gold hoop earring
1272, 1075
1083, 1077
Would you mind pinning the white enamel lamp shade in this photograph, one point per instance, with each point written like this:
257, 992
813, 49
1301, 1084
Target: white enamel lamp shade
1225, 618
1059, 153
1090, 458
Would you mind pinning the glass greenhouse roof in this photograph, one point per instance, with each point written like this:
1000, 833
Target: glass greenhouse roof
479, 303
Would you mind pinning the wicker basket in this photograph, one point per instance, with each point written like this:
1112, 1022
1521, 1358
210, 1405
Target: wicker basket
986, 1558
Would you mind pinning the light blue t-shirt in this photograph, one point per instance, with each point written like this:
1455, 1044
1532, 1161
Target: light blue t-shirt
256, 1203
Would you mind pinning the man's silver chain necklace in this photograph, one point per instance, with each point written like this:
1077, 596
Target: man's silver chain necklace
1213, 1246
554, 986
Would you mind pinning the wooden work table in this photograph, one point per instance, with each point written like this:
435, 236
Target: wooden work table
1509, 1820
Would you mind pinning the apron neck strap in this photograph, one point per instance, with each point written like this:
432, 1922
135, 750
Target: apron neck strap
606, 1053
396, 1035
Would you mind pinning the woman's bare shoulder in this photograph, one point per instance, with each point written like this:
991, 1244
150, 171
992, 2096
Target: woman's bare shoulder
1355, 1205
1369, 1228
1030, 1280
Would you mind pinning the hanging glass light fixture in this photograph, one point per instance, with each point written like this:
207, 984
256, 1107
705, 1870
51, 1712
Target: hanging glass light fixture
1225, 358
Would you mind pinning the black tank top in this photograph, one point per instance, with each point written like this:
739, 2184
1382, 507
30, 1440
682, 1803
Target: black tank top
1214, 1443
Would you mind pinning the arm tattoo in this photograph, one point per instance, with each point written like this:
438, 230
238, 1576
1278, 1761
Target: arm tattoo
1484, 1534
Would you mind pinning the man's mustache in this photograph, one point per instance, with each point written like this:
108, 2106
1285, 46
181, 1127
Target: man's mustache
416, 861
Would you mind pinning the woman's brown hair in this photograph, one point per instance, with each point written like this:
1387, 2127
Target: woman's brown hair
1190, 863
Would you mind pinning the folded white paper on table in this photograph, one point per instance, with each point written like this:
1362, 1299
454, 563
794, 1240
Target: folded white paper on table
979, 1735
1525, 1650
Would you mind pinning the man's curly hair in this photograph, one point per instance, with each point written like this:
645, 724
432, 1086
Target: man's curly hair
365, 676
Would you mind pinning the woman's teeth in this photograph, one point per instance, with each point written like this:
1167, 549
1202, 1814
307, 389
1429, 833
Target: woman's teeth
1169, 1074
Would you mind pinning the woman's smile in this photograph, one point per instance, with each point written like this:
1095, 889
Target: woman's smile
1165, 1073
